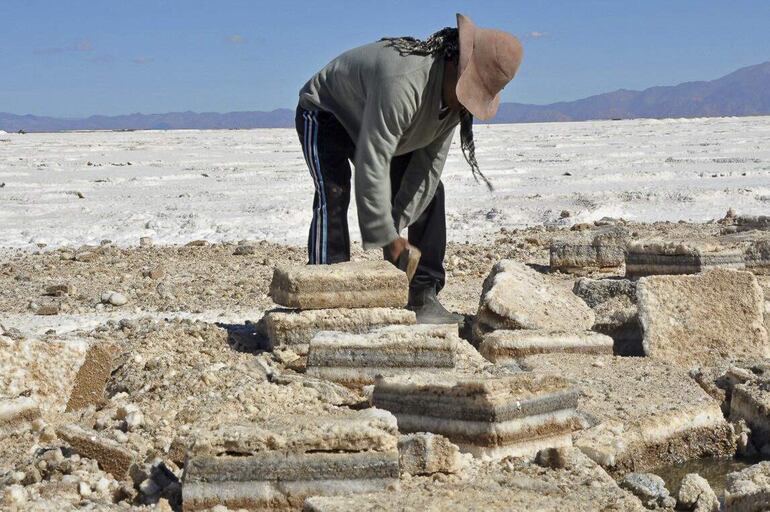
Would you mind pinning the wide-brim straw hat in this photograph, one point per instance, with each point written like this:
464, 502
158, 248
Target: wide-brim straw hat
488, 60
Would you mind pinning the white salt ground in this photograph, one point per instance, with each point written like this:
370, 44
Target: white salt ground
231, 185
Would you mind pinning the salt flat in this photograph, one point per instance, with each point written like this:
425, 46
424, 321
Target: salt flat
230, 185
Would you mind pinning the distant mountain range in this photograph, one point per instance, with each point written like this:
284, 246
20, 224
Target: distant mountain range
741, 93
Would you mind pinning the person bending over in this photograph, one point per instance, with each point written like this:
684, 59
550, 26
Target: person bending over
391, 107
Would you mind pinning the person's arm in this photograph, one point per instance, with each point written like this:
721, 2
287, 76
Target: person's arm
421, 178
388, 111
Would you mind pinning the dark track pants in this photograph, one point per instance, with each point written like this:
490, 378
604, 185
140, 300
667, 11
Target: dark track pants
328, 149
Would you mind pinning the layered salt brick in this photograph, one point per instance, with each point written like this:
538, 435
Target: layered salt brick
505, 346
605, 250
356, 359
655, 257
293, 328
362, 284
487, 416
275, 465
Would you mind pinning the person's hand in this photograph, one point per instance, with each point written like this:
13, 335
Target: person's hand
393, 250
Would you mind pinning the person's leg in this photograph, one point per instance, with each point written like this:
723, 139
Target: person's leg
427, 233
327, 148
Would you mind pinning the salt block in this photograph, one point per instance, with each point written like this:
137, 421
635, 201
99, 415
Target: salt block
489, 417
356, 359
606, 250
360, 284
748, 490
750, 401
505, 346
111, 456
275, 465
287, 327
702, 319
578, 484
757, 256
749, 222
656, 257
91, 379
640, 413
514, 296
16, 414
425, 454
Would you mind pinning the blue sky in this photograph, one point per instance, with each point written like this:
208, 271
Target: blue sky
76, 58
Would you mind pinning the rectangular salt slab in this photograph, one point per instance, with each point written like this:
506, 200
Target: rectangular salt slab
702, 319
356, 359
361, 284
487, 416
576, 256
642, 413
749, 222
506, 346
652, 257
277, 464
289, 327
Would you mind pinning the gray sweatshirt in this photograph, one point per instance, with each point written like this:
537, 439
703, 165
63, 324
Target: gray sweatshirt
389, 104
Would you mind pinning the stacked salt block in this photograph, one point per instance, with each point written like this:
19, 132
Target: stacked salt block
640, 413
514, 296
277, 464
702, 319
487, 416
505, 346
575, 483
651, 257
356, 359
748, 490
297, 328
606, 250
350, 297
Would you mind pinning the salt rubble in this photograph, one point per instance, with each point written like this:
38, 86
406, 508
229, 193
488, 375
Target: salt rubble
640, 413
514, 296
487, 416
748, 490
